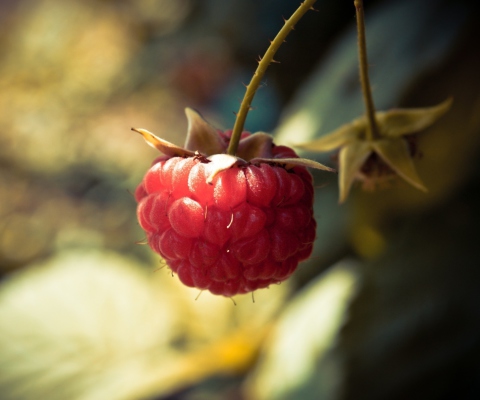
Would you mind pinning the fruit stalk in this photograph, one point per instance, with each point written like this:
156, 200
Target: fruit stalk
263, 64
372, 131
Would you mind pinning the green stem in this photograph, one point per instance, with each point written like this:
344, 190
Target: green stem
262, 67
372, 132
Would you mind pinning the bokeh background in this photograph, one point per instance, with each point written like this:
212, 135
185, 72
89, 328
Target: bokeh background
386, 308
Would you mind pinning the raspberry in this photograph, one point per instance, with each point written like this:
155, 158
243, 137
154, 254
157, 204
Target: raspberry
248, 229
225, 224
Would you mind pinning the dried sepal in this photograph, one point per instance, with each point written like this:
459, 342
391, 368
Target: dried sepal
206, 142
395, 123
395, 153
201, 136
351, 159
222, 162
339, 137
356, 144
293, 162
256, 145
162, 145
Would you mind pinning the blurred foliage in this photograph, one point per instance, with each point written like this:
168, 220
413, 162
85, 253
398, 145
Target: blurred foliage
86, 313
312, 371
91, 324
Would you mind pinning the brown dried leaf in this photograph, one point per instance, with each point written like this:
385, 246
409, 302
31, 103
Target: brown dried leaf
201, 136
162, 145
256, 145
221, 162
293, 162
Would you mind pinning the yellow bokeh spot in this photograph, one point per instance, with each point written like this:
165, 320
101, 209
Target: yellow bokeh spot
367, 241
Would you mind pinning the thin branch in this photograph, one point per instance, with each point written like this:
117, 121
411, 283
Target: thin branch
263, 64
372, 132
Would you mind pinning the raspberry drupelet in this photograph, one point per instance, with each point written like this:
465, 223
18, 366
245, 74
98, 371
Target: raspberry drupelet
227, 224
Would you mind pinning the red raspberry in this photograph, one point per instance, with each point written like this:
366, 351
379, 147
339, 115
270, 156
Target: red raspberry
224, 224
248, 229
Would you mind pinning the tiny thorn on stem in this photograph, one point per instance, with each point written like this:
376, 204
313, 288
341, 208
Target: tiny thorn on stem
263, 63
275, 61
